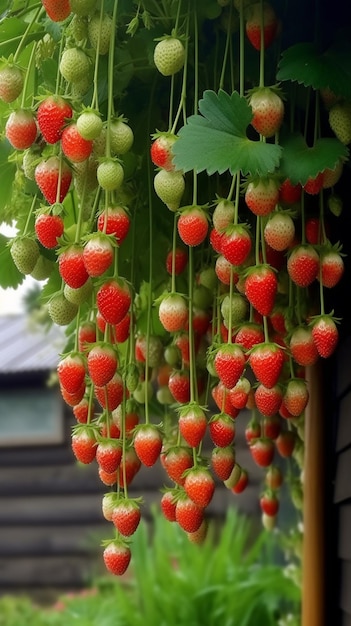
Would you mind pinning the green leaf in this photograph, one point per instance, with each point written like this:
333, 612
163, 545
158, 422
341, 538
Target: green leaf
303, 63
9, 274
216, 140
300, 161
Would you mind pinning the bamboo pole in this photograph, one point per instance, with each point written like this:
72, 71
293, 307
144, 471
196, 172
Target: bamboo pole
313, 561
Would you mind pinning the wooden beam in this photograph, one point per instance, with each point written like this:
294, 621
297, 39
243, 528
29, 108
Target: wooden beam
313, 562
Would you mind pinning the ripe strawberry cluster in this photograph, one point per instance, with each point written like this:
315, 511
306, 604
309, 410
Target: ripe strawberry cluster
229, 336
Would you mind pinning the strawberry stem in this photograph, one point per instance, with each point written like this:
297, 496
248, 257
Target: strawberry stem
262, 47
30, 213
33, 21
110, 81
226, 49
95, 99
28, 76
192, 365
241, 48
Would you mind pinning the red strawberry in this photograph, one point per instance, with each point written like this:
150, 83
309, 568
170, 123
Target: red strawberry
222, 429
225, 271
316, 231
102, 363
289, 193
223, 461
268, 400
161, 150
279, 231
173, 312
248, 335
198, 537
216, 238
126, 418
220, 394
261, 195
84, 443
73, 398
242, 482
113, 300
266, 361
117, 556
325, 335
239, 394
296, 396
236, 244
47, 177
114, 221
285, 443
268, 110
199, 486
49, 228
302, 346
109, 455
303, 265
252, 430
129, 467
257, 15
98, 254
71, 266
272, 425
57, 11
82, 411
121, 331
74, 146
274, 477
229, 363
331, 267
189, 515
110, 395
21, 129
11, 81
261, 285
126, 516
71, 372
192, 424
180, 261
179, 385
262, 451
234, 476
52, 115
86, 335
176, 460
269, 503
193, 225
168, 504
314, 184
148, 443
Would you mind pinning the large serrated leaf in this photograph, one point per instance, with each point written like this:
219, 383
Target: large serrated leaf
216, 140
300, 161
9, 274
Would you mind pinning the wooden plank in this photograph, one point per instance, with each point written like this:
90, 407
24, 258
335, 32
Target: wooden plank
343, 374
61, 509
343, 437
345, 595
342, 476
344, 540
48, 571
52, 540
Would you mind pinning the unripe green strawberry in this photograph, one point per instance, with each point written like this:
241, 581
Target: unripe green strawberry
340, 121
61, 311
100, 29
83, 7
80, 294
169, 187
110, 174
89, 124
30, 161
238, 307
25, 253
268, 110
78, 27
223, 215
169, 56
11, 82
43, 268
121, 136
74, 65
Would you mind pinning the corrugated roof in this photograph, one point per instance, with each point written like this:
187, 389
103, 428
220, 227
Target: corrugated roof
25, 348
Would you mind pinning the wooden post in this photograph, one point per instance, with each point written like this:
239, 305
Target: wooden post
313, 563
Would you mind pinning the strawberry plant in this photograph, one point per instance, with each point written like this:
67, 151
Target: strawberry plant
175, 174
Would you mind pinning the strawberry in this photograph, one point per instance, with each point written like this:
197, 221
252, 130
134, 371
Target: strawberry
126, 516
229, 363
249, 334
82, 411
268, 400
21, 129
98, 254
110, 174
331, 267
169, 55
302, 346
266, 360
220, 395
102, 363
89, 124
100, 31
332, 175
169, 187
79, 295
215, 238
121, 331
340, 121
84, 443
199, 486
303, 265
256, 15
161, 150
74, 146
24, 253
189, 515
173, 312
47, 177
176, 460
117, 556
61, 311
225, 271
71, 372
285, 443
273, 478
261, 195
262, 451
177, 259
52, 115
224, 214
221, 429
272, 425
193, 225
279, 231
129, 467
234, 476
252, 430
148, 443
234, 306
109, 455
11, 82
314, 184
110, 395
261, 285
223, 461
113, 300
73, 398
126, 418
57, 11
114, 221
192, 424
49, 228
296, 396
241, 483
239, 394
168, 504
71, 266
269, 503
236, 244
325, 335
74, 65
152, 349
289, 193
179, 385
268, 110
121, 136
198, 537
